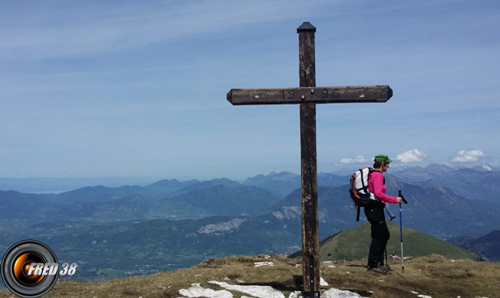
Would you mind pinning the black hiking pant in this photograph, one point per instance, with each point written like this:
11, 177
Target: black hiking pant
380, 234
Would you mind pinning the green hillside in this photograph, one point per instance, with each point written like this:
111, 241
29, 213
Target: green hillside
353, 244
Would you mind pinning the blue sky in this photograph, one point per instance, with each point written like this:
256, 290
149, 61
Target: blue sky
129, 88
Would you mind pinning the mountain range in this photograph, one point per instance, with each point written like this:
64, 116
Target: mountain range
171, 224
58, 185
432, 209
284, 183
478, 183
168, 199
487, 245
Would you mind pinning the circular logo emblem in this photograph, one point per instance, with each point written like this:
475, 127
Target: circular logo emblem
23, 266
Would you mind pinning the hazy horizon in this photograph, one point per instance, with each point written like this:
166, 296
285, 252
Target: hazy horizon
55, 185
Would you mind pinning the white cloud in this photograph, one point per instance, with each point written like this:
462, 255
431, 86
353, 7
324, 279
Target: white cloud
355, 160
414, 155
468, 156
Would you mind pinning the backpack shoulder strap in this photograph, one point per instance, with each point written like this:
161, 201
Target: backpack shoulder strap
363, 180
370, 171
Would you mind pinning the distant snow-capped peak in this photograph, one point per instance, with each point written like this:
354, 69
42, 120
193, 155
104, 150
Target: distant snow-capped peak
486, 167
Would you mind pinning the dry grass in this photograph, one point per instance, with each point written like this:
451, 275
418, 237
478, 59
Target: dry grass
435, 276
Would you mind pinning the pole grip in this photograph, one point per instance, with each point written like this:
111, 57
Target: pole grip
402, 197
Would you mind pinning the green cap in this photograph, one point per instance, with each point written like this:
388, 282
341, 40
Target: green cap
381, 158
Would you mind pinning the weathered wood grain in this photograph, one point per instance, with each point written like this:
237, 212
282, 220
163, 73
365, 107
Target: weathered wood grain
309, 177
341, 94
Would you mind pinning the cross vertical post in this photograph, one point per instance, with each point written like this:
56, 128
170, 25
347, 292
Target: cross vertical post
309, 177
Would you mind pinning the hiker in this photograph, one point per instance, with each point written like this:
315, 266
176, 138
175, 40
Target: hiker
375, 214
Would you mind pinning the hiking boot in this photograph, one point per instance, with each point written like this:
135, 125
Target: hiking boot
380, 269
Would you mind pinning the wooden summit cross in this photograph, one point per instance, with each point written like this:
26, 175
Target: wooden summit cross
308, 95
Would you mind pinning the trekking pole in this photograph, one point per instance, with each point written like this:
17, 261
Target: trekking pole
391, 215
401, 231
389, 212
386, 263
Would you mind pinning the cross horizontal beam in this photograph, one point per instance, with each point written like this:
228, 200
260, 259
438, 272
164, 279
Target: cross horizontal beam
346, 94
